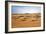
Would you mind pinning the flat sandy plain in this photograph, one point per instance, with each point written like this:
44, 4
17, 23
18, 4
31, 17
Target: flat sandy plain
26, 20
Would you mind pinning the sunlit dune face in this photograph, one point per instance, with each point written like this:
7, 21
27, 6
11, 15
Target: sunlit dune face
26, 20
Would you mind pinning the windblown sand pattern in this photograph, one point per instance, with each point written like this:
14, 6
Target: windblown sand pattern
26, 20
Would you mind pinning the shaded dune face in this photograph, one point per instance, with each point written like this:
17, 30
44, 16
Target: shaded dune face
26, 20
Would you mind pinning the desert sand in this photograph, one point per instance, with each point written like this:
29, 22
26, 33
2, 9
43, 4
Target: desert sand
26, 20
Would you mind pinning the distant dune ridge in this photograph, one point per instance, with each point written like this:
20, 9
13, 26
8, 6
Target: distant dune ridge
26, 20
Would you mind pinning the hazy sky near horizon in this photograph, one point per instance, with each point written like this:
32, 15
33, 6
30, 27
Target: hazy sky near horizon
26, 9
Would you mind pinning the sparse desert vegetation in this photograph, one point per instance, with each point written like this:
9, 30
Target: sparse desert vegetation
26, 20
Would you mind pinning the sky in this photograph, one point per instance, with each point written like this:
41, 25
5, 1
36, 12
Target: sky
26, 9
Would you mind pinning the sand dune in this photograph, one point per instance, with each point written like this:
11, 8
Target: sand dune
26, 20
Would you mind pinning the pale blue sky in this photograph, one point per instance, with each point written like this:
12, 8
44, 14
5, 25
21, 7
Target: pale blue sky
26, 9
